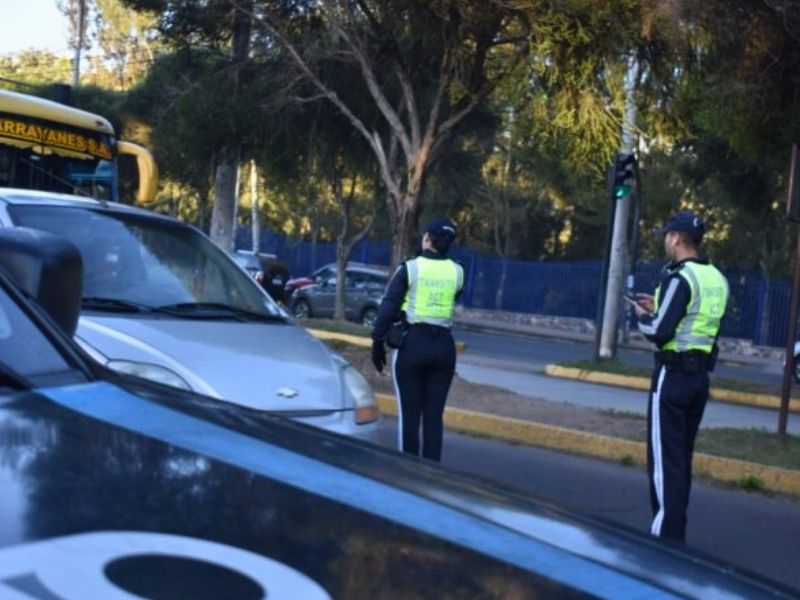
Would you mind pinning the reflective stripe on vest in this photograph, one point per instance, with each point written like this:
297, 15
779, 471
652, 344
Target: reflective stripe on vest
708, 298
432, 288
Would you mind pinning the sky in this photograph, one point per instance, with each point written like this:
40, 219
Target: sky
30, 24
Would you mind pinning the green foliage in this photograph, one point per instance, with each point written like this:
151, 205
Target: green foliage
35, 67
717, 110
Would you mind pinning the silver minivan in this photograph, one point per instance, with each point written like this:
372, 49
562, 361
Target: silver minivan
163, 302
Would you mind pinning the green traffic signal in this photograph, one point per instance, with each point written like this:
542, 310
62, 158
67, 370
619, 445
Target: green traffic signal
624, 166
621, 191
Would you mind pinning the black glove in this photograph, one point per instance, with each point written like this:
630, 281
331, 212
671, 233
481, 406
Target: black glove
378, 355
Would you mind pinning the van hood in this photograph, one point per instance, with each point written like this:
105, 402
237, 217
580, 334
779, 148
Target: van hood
265, 366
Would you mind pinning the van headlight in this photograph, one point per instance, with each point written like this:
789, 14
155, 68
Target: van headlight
361, 392
149, 371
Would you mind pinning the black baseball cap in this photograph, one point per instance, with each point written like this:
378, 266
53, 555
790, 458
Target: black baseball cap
686, 221
441, 228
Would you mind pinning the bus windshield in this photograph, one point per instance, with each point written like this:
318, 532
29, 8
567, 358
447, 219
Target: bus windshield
25, 168
52, 147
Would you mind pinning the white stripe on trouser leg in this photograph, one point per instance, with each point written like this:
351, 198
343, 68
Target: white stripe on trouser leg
658, 459
399, 404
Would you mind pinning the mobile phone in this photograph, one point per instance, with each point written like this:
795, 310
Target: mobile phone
630, 298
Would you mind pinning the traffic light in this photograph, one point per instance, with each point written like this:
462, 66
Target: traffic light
624, 169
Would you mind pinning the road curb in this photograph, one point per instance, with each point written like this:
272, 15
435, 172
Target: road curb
345, 337
643, 383
728, 470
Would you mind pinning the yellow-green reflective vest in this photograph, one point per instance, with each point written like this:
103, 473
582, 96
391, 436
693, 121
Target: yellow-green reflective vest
707, 302
432, 288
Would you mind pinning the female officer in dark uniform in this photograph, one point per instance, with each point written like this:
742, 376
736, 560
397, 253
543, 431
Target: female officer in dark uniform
424, 289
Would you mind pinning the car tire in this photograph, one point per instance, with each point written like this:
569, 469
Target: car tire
301, 309
368, 316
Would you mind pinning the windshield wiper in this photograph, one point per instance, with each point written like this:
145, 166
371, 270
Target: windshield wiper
114, 305
216, 310
11, 379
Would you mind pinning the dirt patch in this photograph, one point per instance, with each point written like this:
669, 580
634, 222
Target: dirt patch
496, 401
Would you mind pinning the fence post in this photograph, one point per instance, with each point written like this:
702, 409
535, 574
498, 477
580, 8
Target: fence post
762, 290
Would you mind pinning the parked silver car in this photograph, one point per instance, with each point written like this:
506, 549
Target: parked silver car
163, 302
364, 288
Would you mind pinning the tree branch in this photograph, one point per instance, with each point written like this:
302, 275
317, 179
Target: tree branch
387, 110
373, 139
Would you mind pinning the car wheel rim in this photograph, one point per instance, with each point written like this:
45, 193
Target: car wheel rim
368, 319
301, 310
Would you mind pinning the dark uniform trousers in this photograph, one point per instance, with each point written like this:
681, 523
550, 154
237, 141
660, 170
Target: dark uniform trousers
676, 404
423, 370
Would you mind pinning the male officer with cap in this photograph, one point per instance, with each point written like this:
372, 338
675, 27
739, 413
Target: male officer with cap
424, 289
683, 321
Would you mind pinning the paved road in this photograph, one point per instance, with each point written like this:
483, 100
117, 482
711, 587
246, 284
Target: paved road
751, 531
495, 360
538, 351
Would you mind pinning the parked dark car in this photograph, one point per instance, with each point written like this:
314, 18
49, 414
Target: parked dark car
267, 270
364, 288
119, 487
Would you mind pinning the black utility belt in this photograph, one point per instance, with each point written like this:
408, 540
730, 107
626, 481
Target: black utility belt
693, 361
423, 325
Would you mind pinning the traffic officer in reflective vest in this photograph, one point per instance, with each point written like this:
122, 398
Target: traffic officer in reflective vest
683, 320
424, 289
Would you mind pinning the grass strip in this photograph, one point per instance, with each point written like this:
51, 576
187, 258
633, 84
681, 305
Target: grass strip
751, 445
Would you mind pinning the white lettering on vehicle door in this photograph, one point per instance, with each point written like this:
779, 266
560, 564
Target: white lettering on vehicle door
72, 567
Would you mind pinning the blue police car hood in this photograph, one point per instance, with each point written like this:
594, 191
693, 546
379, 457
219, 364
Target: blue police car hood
266, 366
108, 490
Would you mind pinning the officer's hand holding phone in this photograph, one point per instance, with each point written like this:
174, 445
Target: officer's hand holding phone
642, 303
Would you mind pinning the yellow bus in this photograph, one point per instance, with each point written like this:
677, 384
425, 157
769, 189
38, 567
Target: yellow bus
45, 145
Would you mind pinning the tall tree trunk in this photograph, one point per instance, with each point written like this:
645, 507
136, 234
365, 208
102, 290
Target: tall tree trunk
226, 178
224, 212
403, 231
346, 242
406, 211
202, 210
502, 247
343, 250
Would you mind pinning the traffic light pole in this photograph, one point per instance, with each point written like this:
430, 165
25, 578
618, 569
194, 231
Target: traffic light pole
619, 242
601, 295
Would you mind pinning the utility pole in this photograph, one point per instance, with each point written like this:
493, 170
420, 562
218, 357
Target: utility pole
793, 214
76, 63
254, 214
619, 237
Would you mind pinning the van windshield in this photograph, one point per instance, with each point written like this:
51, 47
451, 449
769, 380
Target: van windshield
147, 261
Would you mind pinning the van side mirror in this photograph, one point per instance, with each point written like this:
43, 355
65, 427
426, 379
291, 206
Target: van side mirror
48, 269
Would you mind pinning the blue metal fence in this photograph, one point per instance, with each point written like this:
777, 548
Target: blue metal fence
758, 309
